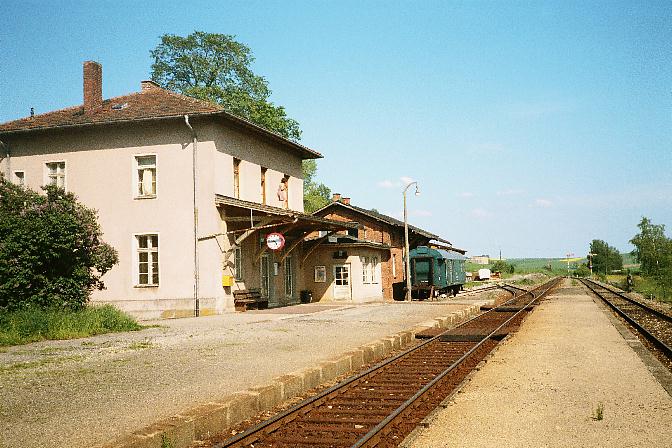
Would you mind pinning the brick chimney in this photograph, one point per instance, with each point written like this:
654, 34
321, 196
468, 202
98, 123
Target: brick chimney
346, 201
93, 86
149, 85
336, 197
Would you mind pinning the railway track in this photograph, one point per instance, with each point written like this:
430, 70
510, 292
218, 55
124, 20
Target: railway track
653, 325
381, 406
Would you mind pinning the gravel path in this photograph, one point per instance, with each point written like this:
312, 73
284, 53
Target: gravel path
84, 392
542, 387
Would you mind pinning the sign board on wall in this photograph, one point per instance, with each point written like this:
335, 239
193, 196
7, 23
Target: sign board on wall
275, 241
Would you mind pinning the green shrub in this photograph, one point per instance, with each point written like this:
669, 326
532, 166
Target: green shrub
582, 271
51, 249
503, 267
36, 324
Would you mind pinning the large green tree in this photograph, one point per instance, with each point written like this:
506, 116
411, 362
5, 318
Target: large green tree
605, 257
51, 250
653, 250
216, 67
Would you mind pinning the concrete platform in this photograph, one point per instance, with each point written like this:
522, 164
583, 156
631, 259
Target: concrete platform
543, 386
187, 378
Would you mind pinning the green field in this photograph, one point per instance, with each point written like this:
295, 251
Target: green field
558, 266
529, 265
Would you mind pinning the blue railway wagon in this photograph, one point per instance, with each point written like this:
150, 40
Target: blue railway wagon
435, 271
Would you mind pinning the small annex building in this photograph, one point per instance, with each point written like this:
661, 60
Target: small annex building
185, 192
371, 254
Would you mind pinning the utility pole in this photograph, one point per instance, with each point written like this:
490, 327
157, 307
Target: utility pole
408, 259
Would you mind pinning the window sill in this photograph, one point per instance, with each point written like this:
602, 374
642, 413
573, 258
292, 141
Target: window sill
146, 286
149, 196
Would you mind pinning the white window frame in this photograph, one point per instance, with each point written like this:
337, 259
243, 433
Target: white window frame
64, 174
366, 270
136, 177
136, 261
23, 178
374, 270
394, 265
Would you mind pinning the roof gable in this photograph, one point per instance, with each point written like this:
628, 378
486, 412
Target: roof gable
152, 103
378, 217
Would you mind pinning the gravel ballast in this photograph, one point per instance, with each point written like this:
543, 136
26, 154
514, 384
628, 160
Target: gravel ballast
88, 392
542, 387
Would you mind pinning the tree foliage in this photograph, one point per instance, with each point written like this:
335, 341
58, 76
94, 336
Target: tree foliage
51, 249
215, 67
315, 195
605, 257
653, 250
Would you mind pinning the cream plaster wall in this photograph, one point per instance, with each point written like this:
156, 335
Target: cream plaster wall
100, 163
361, 292
254, 153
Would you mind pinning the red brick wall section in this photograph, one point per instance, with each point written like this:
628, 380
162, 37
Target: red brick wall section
93, 86
380, 233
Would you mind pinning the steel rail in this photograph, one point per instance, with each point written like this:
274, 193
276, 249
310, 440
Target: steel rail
378, 429
266, 427
666, 349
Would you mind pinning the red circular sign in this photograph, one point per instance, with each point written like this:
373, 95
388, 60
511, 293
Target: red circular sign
275, 241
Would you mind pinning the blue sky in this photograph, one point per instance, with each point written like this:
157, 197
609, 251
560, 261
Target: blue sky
531, 127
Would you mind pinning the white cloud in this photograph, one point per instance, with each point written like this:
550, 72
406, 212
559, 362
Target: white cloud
406, 180
480, 213
510, 192
542, 203
386, 184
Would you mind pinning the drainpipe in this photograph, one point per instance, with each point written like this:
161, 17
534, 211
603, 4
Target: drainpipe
194, 172
8, 168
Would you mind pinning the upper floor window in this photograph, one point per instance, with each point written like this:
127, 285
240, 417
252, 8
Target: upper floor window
56, 174
20, 178
145, 176
263, 185
283, 191
236, 178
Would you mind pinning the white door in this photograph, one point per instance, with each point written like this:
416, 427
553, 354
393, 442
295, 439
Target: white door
342, 289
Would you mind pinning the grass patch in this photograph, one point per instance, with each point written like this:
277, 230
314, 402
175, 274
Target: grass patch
141, 345
598, 414
31, 325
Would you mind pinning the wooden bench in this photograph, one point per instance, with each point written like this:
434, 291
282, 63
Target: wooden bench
249, 299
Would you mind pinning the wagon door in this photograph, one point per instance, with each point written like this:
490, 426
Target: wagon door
421, 272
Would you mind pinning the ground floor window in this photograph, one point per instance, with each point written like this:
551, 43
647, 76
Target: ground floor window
147, 252
289, 278
374, 270
238, 263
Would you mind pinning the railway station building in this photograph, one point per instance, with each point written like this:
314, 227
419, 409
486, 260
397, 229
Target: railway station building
186, 192
374, 231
